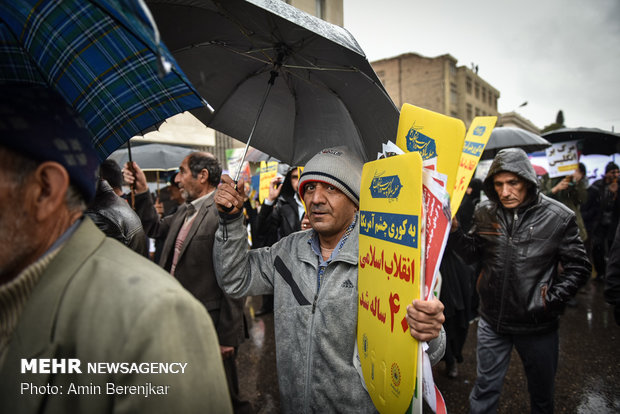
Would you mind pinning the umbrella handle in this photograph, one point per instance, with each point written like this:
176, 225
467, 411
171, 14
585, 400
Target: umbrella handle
270, 83
132, 187
272, 79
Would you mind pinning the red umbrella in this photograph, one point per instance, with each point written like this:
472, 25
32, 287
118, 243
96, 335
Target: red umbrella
540, 171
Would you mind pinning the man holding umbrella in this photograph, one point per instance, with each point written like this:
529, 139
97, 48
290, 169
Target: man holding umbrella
68, 293
533, 261
313, 277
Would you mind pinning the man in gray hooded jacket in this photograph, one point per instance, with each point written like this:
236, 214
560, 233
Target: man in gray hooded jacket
313, 277
533, 261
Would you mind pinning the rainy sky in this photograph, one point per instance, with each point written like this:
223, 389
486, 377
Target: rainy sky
554, 54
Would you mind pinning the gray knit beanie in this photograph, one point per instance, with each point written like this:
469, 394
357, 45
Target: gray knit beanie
336, 166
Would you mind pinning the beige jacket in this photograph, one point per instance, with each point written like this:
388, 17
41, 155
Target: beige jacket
98, 301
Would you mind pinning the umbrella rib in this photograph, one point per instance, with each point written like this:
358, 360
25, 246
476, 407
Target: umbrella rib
269, 61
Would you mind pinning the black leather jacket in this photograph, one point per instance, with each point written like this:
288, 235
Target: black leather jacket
116, 219
521, 251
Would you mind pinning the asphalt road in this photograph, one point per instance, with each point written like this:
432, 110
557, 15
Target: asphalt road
587, 381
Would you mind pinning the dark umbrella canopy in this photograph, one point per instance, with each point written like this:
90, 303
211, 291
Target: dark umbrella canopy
591, 140
510, 137
325, 92
103, 57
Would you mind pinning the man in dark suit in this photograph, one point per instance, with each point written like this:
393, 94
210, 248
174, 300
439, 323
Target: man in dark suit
187, 252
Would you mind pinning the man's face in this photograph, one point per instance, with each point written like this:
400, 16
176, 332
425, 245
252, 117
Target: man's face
190, 186
612, 175
330, 211
295, 179
17, 228
510, 188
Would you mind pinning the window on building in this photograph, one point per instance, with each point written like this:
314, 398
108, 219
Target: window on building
453, 114
468, 85
477, 111
484, 94
477, 89
320, 9
452, 69
470, 115
454, 96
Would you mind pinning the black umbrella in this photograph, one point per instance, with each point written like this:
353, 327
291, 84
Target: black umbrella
292, 82
509, 137
591, 140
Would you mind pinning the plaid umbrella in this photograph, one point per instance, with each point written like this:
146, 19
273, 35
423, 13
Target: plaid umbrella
103, 57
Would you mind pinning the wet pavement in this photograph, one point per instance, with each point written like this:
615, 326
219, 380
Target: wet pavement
587, 381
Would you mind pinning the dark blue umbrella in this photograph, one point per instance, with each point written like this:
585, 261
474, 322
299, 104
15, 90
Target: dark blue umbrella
103, 57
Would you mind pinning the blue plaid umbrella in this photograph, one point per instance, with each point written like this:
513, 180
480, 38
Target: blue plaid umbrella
103, 57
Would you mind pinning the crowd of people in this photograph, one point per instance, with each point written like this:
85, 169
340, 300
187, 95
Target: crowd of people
514, 261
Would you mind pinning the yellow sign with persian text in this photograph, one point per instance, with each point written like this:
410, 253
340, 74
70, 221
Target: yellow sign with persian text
438, 138
389, 277
476, 139
268, 171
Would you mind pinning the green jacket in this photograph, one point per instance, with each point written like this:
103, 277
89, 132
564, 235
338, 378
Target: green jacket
98, 301
573, 197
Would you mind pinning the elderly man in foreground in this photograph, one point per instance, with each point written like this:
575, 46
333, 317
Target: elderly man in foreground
86, 324
313, 277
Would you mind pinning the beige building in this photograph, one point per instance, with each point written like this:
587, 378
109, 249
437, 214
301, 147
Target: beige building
513, 119
437, 84
328, 10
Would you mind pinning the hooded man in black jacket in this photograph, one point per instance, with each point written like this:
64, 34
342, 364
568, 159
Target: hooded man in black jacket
533, 261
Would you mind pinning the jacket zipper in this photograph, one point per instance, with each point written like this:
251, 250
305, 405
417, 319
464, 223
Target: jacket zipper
507, 270
309, 350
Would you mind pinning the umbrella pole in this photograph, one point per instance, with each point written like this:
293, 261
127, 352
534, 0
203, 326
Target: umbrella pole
274, 74
132, 188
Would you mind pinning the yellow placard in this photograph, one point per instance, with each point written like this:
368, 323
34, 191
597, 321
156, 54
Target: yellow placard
268, 170
475, 141
389, 277
432, 135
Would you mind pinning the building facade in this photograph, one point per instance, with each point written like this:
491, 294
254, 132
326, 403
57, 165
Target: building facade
437, 84
328, 10
513, 119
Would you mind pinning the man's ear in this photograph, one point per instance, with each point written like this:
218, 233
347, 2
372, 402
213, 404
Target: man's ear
203, 176
49, 185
